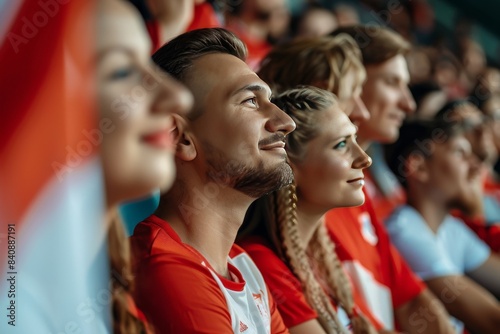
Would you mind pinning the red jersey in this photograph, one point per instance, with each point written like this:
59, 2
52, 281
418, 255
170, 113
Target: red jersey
286, 288
179, 291
375, 267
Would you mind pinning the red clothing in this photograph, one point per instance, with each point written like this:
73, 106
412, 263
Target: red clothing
257, 48
383, 204
375, 267
285, 286
490, 234
204, 17
180, 293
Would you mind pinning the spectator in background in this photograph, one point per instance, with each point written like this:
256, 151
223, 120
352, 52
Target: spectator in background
258, 23
166, 19
437, 166
346, 14
389, 287
429, 99
486, 211
330, 63
316, 21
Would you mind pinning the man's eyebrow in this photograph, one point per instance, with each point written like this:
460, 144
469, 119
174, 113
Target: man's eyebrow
253, 88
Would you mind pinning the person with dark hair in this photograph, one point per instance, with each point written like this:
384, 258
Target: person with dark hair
284, 232
480, 137
435, 163
190, 276
391, 290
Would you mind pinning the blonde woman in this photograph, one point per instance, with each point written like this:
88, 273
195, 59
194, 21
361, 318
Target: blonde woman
330, 63
286, 236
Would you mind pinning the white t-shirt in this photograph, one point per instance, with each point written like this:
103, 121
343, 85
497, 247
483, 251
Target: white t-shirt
453, 250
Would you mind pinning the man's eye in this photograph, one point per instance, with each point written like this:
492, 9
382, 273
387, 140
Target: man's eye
252, 101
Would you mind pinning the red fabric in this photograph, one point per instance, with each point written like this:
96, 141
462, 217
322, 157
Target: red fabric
154, 34
204, 17
383, 204
46, 102
286, 287
257, 49
492, 187
382, 260
176, 292
490, 234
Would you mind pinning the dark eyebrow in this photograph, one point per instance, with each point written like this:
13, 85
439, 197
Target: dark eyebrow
254, 88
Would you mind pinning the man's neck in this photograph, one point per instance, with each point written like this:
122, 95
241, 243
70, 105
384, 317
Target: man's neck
432, 210
206, 221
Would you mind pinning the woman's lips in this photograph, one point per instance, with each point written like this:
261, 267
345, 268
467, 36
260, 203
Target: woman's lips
161, 139
357, 181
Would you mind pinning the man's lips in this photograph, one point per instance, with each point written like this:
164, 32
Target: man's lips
275, 145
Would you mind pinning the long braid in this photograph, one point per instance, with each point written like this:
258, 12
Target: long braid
122, 281
331, 268
286, 214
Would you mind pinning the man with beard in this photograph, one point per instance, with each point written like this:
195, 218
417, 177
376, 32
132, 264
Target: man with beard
437, 166
230, 150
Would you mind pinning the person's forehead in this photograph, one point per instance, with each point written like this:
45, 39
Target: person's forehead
118, 27
226, 74
395, 66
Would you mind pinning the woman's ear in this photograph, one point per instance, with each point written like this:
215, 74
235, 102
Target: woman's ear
185, 148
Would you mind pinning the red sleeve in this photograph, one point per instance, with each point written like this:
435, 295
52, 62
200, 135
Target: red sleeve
189, 301
284, 286
490, 234
175, 292
404, 284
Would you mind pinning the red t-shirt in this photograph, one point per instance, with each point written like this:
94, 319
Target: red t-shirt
375, 267
286, 288
179, 292
383, 204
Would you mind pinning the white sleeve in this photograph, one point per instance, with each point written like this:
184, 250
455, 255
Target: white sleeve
418, 245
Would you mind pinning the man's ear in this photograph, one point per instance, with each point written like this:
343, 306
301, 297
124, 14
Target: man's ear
417, 168
185, 148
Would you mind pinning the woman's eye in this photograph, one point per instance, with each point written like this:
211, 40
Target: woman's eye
342, 144
122, 73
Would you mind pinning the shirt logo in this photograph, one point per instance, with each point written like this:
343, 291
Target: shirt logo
367, 229
243, 327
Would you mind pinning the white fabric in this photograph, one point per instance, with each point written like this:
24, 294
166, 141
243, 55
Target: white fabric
377, 296
61, 260
249, 309
453, 250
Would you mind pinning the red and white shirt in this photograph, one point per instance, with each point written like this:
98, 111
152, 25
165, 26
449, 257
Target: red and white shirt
180, 293
286, 288
375, 267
